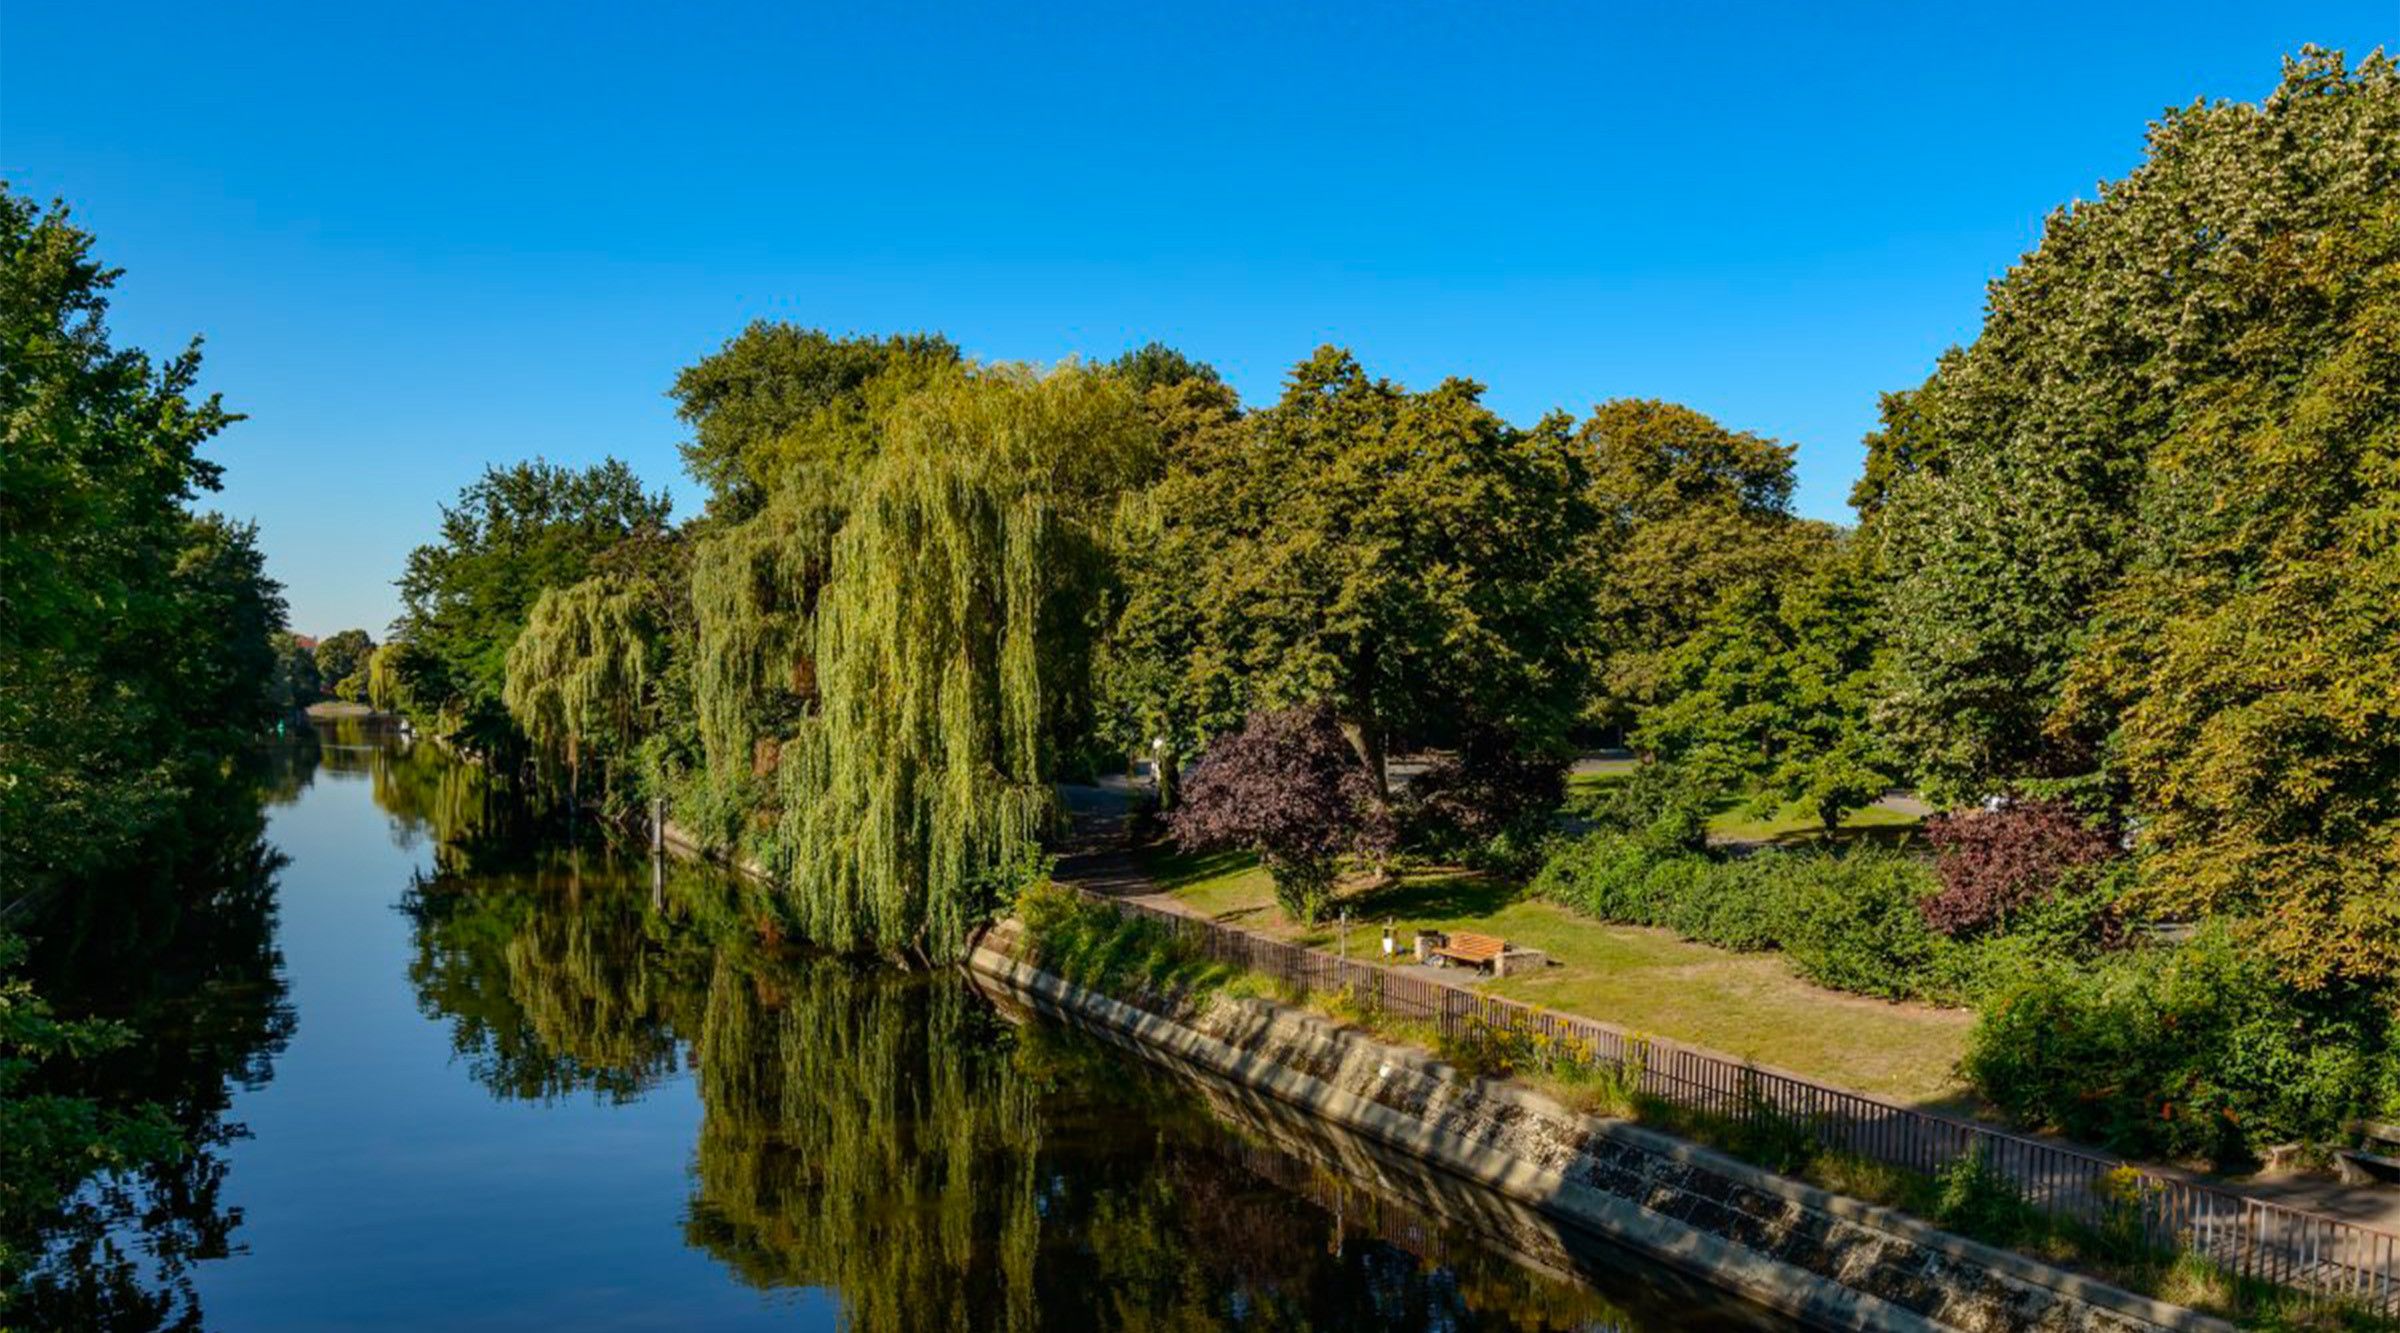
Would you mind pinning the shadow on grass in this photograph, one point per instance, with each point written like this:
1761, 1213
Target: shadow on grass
1438, 897
1180, 870
1882, 835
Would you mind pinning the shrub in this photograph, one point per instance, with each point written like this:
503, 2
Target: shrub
1665, 805
1995, 863
1288, 787
1489, 804
1852, 921
1096, 946
2194, 1051
1972, 1197
1848, 919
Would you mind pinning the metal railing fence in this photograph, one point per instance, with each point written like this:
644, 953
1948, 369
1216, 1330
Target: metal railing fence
2323, 1257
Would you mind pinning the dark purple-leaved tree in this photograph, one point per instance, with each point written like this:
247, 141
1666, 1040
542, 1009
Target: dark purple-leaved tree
1994, 862
1289, 787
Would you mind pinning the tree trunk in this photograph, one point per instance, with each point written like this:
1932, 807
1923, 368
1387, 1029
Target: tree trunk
1170, 778
1367, 738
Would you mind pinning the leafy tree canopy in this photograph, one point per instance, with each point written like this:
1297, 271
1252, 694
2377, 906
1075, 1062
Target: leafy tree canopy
1684, 511
1407, 556
2145, 532
134, 653
1770, 691
343, 655
781, 405
514, 533
1289, 787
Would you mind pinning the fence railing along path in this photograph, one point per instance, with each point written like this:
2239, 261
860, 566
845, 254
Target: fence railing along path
2251, 1238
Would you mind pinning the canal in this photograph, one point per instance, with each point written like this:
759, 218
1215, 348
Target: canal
438, 1080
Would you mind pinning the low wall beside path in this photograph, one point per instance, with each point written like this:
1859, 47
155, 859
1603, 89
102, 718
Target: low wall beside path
1832, 1261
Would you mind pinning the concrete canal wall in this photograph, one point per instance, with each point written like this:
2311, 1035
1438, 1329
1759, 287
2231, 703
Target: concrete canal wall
1832, 1261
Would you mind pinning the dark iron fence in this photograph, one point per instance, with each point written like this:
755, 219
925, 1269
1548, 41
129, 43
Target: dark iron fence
2322, 1257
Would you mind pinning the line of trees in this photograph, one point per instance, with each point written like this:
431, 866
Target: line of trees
136, 668
924, 589
2130, 554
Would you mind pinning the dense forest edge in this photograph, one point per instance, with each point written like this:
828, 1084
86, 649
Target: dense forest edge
137, 672
2121, 601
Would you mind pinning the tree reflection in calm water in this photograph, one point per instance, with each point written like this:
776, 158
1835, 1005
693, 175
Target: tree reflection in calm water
190, 963
888, 1136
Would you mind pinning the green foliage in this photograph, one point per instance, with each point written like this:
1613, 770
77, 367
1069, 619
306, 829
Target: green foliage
1664, 806
2191, 1051
953, 643
1115, 953
781, 408
296, 682
754, 590
585, 676
135, 636
1685, 511
50, 1144
1972, 1196
1848, 920
515, 533
1410, 558
2184, 392
1770, 691
341, 656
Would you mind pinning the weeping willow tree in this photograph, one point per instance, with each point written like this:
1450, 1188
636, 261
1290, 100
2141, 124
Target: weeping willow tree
902, 650
754, 597
583, 676
866, 1132
555, 977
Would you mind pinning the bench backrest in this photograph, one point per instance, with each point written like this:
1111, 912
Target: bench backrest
1469, 944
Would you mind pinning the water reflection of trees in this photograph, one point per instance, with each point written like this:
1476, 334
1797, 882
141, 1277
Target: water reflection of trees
888, 1137
554, 979
190, 963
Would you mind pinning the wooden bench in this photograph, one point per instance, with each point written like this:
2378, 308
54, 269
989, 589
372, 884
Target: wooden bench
1472, 949
2377, 1164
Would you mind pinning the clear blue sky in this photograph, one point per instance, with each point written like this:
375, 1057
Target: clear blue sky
424, 237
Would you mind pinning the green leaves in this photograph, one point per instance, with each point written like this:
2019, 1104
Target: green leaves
1409, 557
134, 653
2141, 531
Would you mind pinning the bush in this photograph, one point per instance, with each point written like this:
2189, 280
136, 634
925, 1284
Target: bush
1849, 919
2188, 1052
1665, 805
1288, 787
1853, 921
1996, 863
1117, 954
1489, 805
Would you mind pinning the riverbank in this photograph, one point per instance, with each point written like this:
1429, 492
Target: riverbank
1832, 1261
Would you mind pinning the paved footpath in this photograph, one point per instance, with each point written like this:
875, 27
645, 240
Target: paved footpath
1095, 859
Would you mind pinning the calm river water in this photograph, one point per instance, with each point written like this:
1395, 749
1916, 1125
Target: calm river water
442, 1085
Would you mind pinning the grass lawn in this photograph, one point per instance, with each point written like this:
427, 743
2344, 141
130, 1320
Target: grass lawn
1796, 824
1590, 777
1747, 1005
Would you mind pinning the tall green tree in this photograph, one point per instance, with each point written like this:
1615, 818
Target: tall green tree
297, 684
342, 656
1771, 691
1408, 558
515, 533
134, 653
952, 653
781, 406
2143, 530
1684, 511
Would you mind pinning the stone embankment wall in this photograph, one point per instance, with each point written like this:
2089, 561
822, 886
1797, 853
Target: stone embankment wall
1834, 1262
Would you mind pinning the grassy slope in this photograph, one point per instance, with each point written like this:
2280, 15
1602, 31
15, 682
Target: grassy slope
1746, 1005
